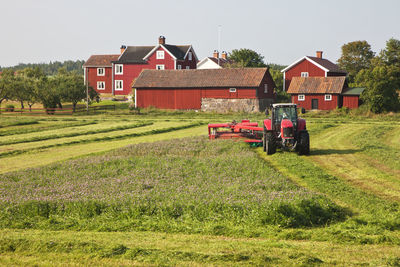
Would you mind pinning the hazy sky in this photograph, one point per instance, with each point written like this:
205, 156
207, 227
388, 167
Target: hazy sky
34, 31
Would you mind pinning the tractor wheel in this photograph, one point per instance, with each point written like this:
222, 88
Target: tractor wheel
270, 145
304, 143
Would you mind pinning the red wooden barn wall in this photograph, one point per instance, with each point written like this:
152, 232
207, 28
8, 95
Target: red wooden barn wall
350, 101
303, 66
93, 79
322, 104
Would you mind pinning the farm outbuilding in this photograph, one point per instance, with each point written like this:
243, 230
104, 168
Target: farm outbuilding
324, 93
244, 89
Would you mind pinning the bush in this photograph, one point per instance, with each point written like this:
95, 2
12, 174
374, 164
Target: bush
10, 108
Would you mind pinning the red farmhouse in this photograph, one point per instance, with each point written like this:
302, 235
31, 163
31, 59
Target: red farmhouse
246, 89
323, 93
98, 72
160, 57
310, 67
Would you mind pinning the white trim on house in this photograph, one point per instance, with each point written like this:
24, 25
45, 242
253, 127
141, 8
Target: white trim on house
304, 74
304, 58
232, 90
179, 67
301, 97
160, 67
117, 83
155, 49
266, 88
103, 70
284, 82
117, 69
135, 98
101, 85
160, 54
207, 63
328, 97
190, 49
188, 67
190, 56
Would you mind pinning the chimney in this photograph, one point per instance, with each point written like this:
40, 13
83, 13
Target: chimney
123, 47
319, 54
161, 40
216, 54
224, 55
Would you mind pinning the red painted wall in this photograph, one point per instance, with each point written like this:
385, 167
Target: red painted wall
303, 66
350, 101
93, 79
191, 63
322, 104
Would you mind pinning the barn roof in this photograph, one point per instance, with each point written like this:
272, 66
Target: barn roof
353, 91
205, 78
100, 61
317, 85
322, 63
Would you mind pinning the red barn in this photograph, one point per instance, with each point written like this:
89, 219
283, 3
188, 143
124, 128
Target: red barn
246, 89
163, 56
310, 67
98, 72
324, 93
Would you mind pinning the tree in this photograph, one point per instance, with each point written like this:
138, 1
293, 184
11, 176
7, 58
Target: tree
277, 76
246, 58
391, 54
380, 84
356, 56
5, 89
33, 80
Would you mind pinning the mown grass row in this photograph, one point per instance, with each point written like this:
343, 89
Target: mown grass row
102, 138
11, 121
73, 134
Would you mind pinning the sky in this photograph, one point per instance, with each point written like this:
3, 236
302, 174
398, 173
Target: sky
40, 31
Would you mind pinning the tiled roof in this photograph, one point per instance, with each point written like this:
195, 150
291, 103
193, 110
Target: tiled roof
222, 61
205, 78
317, 85
332, 67
100, 61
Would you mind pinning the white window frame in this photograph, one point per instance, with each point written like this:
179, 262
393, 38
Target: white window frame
188, 67
160, 67
160, 54
119, 69
101, 85
190, 55
102, 70
179, 67
119, 82
266, 88
301, 97
232, 90
304, 74
328, 97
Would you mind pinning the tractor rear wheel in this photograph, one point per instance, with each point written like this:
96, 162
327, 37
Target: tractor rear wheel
304, 143
265, 140
270, 145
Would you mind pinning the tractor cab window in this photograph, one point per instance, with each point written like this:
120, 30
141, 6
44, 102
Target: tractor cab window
289, 113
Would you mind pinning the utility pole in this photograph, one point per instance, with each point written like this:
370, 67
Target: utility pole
219, 41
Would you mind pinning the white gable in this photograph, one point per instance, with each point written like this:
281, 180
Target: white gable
207, 63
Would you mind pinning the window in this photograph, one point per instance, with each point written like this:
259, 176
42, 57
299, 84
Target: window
188, 67
304, 74
160, 55
100, 71
301, 97
159, 67
119, 85
266, 88
101, 85
179, 67
328, 97
119, 69
190, 55
232, 90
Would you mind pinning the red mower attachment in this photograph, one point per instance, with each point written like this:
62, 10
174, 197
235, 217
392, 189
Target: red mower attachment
237, 130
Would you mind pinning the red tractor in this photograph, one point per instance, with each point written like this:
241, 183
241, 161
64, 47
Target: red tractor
285, 130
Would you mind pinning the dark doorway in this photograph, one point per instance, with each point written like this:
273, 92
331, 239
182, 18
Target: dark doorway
314, 103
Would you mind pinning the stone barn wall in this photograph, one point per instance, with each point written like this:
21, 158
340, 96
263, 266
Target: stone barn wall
235, 105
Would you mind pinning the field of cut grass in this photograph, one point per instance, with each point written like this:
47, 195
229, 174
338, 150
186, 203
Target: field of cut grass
99, 193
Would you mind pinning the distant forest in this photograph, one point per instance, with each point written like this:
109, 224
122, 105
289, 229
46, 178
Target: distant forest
52, 67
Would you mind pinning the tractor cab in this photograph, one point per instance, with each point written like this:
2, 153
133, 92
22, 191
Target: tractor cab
284, 112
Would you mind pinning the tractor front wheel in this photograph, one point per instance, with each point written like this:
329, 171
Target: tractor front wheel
270, 145
304, 143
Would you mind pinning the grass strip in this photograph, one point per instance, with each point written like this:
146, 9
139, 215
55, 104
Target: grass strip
56, 136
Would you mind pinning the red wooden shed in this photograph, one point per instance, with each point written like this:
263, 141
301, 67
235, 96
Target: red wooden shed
245, 89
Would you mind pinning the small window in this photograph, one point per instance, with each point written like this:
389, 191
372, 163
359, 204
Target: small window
100, 71
119, 69
188, 67
301, 97
190, 55
160, 55
119, 85
101, 85
232, 90
159, 67
179, 67
304, 74
328, 97
266, 88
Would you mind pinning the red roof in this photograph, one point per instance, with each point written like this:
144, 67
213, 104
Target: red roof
100, 60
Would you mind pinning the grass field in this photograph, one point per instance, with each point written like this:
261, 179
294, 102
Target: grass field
152, 190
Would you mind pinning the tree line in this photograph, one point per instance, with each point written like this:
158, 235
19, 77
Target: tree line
32, 85
51, 68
